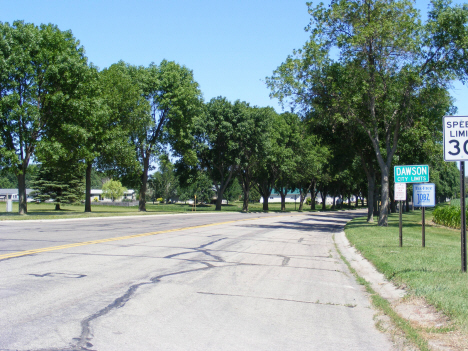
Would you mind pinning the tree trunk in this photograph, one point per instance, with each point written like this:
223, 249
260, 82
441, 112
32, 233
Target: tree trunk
219, 200
144, 182
283, 201
222, 188
370, 197
245, 182
383, 215
245, 205
89, 167
302, 197
357, 201
334, 201
313, 195
323, 194
265, 202
57, 207
22, 201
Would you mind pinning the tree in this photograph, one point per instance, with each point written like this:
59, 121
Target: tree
286, 154
41, 72
123, 126
202, 188
311, 159
58, 182
174, 100
217, 144
251, 126
164, 182
113, 189
233, 191
385, 58
269, 153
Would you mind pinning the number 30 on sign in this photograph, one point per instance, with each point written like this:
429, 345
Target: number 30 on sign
455, 138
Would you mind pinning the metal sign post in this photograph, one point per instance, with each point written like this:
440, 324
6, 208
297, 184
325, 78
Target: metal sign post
424, 196
423, 227
463, 216
400, 227
400, 195
455, 131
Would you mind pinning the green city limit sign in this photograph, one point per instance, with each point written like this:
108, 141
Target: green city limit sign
411, 174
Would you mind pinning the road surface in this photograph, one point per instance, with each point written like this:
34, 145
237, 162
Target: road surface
225, 281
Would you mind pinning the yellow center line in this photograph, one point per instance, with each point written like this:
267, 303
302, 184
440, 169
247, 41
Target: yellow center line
67, 246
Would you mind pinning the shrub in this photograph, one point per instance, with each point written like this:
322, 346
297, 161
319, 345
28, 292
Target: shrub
450, 216
160, 200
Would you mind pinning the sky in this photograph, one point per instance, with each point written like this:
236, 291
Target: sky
231, 46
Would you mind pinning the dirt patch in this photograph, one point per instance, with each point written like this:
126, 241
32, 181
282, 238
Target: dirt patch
433, 325
396, 335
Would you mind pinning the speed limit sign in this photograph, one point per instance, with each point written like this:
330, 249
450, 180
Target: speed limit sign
455, 138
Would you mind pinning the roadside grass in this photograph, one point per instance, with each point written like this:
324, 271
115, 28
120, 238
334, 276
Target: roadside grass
433, 272
47, 210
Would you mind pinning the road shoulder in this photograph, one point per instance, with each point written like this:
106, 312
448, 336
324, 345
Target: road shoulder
421, 316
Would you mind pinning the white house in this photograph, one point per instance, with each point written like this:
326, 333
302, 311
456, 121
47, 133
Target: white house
12, 194
290, 197
295, 196
96, 195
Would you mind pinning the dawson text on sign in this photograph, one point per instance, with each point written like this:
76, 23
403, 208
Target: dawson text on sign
411, 174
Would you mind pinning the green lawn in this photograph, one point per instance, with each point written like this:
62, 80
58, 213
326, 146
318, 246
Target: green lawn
433, 272
47, 210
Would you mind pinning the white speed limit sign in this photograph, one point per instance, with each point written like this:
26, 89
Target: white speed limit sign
455, 138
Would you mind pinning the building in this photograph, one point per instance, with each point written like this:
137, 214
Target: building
293, 196
96, 195
12, 194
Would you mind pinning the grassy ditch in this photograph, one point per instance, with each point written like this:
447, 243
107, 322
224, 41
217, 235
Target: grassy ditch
433, 272
47, 210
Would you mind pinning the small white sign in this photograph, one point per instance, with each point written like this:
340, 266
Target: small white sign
400, 191
455, 138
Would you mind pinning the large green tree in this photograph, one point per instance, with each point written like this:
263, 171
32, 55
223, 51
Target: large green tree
385, 57
41, 70
217, 144
174, 100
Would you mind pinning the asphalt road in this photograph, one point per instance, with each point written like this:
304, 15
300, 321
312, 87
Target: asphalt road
182, 282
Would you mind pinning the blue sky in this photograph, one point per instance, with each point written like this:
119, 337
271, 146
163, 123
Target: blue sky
231, 46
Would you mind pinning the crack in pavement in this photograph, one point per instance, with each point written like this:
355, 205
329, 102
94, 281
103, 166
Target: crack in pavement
279, 299
65, 275
82, 343
199, 249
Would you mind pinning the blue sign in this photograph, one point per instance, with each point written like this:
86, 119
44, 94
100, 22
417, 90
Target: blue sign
424, 195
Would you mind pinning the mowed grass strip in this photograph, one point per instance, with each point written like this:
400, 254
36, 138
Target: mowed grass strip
433, 272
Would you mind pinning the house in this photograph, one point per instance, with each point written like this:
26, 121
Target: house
12, 194
293, 196
96, 195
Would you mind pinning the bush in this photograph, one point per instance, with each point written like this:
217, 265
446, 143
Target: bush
449, 216
308, 201
160, 200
